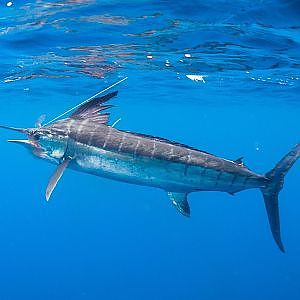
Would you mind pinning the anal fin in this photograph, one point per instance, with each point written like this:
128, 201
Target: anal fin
56, 176
179, 200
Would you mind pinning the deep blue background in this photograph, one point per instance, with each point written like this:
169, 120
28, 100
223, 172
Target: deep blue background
100, 239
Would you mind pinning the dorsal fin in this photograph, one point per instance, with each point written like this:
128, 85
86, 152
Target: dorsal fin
239, 161
92, 110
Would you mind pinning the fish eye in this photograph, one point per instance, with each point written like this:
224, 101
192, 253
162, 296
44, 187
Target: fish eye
37, 136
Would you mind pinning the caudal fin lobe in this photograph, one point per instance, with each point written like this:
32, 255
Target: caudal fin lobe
271, 191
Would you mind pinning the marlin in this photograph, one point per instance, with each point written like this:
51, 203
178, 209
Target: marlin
85, 142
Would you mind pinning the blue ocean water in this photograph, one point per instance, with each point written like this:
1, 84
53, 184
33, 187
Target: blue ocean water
101, 239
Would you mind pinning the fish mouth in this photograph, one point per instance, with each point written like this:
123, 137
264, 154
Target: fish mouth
25, 142
30, 143
27, 131
33, 146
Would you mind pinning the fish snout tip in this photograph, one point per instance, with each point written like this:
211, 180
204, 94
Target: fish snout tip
22, 130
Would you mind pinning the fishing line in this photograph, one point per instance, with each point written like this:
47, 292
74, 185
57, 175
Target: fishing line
85, 101
116, 122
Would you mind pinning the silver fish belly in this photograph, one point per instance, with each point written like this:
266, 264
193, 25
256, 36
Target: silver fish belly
165, 174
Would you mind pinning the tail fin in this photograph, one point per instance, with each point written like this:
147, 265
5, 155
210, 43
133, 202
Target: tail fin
271, 191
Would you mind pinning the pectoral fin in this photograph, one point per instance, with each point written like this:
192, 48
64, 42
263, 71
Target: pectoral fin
56, 176
179, 200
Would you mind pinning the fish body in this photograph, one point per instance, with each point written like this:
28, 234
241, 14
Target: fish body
105, 151
85, 142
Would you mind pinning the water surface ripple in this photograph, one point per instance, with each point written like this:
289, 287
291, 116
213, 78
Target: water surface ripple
253, 41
